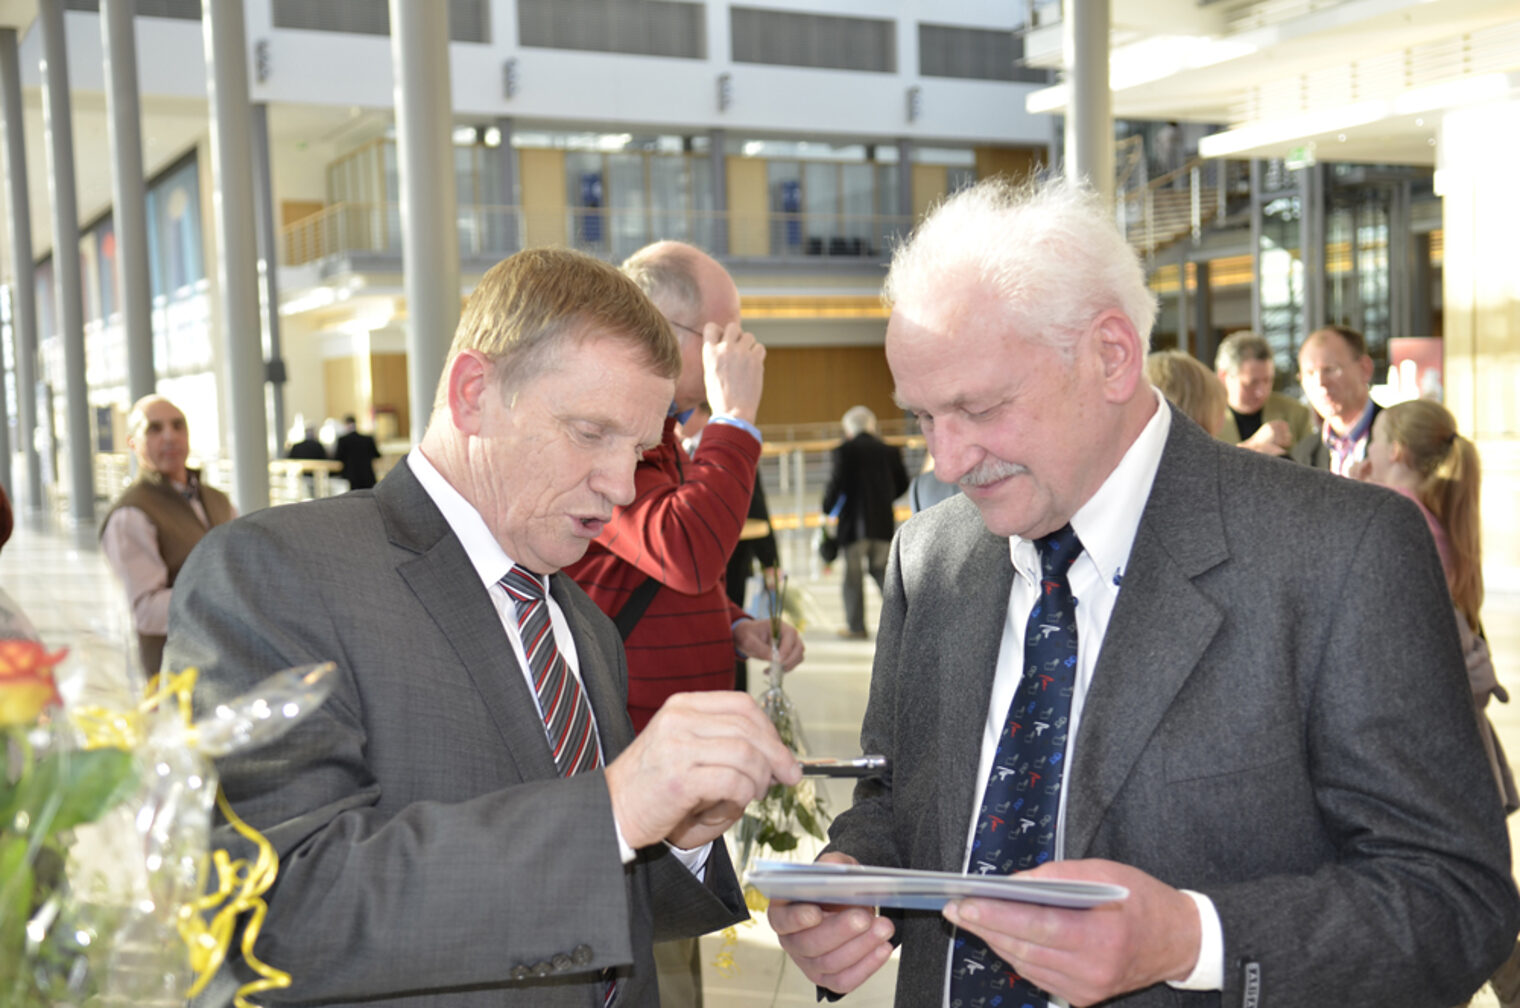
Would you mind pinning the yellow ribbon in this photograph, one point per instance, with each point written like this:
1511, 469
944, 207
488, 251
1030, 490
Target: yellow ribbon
239, 885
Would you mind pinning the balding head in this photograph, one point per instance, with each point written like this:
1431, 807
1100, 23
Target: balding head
159, 437
691, 289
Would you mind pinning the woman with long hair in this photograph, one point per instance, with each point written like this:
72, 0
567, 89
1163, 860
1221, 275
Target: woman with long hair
1415, 449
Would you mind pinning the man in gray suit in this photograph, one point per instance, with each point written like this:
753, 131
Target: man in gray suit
434, 850
1278, 765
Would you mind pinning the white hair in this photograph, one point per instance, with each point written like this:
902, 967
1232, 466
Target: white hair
857, 419
1050, 251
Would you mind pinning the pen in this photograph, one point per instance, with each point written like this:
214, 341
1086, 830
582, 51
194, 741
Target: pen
859, 766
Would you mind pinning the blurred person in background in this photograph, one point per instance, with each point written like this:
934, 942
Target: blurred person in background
866, 475
1336, 372
154, 524
1193, 388
1259, 418
1417, 451
357, 452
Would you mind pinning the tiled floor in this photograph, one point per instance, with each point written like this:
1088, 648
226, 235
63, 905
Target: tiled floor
59, 578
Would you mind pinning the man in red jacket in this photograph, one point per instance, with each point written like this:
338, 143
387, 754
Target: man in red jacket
658, 567
674, 540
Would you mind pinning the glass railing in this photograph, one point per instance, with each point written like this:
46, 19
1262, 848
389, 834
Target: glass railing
347, 229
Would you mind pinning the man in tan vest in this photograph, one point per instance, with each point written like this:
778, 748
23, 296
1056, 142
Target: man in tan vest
156, 521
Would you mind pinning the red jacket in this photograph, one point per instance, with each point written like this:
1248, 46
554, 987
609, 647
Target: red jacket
684, 522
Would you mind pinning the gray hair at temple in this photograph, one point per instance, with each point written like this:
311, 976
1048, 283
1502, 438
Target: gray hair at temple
1049, 250
1241, 348
858, 419
667, 273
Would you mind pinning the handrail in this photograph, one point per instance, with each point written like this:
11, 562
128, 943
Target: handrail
349, 227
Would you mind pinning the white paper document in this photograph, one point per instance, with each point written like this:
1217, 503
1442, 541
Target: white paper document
910, 889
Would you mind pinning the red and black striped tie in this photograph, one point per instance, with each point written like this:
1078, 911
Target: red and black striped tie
567, 712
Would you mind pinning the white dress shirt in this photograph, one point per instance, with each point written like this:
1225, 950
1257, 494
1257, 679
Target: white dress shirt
491, 564
1106, 526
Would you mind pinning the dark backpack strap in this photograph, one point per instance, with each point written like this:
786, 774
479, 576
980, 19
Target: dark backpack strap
633, 610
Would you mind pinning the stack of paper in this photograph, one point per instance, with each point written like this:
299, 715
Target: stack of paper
910, 889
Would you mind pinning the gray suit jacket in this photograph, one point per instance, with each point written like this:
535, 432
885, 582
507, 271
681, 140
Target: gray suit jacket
430, 855
1277, 719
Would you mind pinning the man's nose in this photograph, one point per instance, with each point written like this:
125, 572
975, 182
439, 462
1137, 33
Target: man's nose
613, 479
954, 453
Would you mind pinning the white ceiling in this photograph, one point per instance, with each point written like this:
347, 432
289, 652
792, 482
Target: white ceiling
1266, 63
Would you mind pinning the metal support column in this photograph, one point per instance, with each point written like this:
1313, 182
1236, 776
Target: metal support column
1421, 314
269, 275
717, 164
129, 217
24, 290
1089, 108
505, 210
429, 225
904, 187
1184, 342
237, 254
1311, 240
1204, 343
1257, 204
59, 130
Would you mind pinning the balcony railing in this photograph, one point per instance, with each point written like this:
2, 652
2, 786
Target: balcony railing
496, 231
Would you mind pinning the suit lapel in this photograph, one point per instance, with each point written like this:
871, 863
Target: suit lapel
441, 576
1160, 628
974, 634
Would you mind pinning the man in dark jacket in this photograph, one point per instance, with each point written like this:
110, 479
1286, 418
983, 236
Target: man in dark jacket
357, 452
868, 475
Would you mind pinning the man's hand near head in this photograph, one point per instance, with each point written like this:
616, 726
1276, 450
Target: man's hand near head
734, 364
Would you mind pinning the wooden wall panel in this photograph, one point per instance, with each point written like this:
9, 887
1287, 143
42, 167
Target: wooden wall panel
542, 175
340, 380
749, 208
1013, 162
805, 385
389, 390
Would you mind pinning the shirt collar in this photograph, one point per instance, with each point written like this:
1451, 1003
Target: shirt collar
490, 561
1107, 523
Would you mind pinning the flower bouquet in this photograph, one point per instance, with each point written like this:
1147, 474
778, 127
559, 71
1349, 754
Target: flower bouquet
105, 816
776, 823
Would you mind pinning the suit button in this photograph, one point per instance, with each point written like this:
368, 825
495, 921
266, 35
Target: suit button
542, 969
582, 955
520, 972
562, 963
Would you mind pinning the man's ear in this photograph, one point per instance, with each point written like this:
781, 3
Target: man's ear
1365, 366
1120, 354
469, 381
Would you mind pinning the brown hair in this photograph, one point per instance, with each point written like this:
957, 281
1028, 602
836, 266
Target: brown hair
1189, 383
527, 302
1447, 462
1353, 338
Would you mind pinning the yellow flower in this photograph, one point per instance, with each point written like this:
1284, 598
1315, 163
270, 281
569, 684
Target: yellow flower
26, 681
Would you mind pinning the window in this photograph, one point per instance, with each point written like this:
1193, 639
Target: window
786, 38
641, 27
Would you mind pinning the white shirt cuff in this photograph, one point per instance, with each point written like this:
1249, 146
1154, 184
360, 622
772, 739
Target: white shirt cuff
695, 859
1208, 972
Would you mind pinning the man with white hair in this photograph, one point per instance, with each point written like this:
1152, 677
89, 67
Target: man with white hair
151, 528
865, 477
1105, 662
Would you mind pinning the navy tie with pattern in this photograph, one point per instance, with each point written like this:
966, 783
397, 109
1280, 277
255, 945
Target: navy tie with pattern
1016, 828
567, 712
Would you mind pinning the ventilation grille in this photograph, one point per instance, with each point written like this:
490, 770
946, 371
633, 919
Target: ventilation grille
785, 38
639, 27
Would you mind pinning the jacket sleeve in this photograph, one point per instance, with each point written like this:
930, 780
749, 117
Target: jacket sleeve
681, 532
413, 856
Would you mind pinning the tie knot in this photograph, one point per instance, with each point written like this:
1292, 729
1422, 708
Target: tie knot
522, 584
1058, 551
